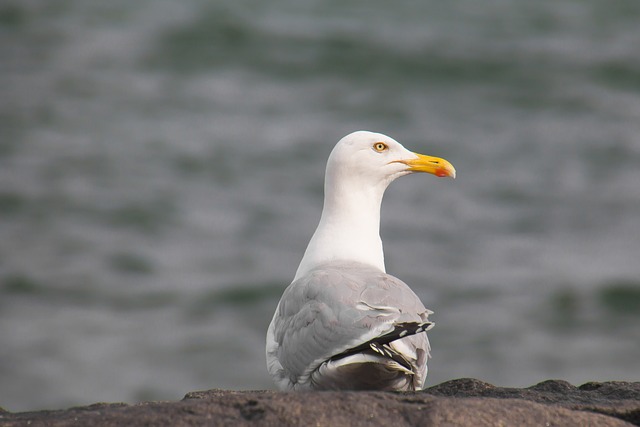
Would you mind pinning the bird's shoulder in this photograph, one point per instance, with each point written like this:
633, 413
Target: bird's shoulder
351, 287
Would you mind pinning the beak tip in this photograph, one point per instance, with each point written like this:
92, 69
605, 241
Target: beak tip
446, 173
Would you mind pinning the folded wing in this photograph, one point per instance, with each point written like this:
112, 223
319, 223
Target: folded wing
348, 325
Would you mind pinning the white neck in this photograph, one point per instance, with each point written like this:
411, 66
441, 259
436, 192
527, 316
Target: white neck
349, 228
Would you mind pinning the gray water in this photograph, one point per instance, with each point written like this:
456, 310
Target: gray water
161, 167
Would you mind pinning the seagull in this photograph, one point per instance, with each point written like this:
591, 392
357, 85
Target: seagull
344, 323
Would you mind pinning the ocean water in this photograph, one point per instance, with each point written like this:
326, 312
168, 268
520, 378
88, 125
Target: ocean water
161, 167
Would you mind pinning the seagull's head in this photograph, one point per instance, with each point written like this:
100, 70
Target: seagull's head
377, 158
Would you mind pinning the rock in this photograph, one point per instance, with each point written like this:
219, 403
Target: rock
463, 402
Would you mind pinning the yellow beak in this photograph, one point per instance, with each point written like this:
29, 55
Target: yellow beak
433, 165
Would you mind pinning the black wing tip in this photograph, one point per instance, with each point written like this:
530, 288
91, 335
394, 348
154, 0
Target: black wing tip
409, 328
400, 330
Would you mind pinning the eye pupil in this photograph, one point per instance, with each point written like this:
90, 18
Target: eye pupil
379, 146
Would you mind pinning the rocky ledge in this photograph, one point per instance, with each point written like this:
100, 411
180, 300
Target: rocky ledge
463, 402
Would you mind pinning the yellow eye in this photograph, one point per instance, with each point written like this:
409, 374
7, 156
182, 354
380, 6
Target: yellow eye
380, 147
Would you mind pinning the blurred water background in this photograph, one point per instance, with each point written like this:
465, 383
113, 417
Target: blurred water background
161, 167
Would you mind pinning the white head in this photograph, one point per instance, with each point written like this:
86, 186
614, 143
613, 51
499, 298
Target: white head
373, 160
359, 169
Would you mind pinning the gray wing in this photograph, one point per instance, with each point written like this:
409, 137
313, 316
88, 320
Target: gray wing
334, 308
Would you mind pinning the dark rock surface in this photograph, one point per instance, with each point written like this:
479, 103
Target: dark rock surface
463, 402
